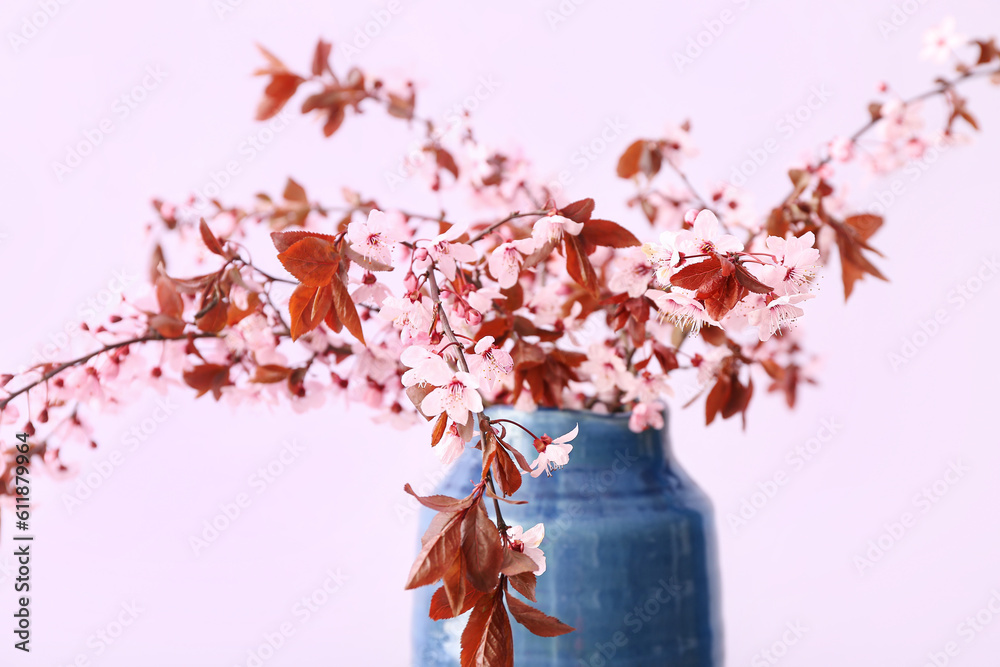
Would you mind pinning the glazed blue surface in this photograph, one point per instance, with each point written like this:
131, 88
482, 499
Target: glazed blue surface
629, 546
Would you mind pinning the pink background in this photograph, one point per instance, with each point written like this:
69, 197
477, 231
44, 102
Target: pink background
338, 506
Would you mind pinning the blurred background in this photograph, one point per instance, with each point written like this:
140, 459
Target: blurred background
867, 516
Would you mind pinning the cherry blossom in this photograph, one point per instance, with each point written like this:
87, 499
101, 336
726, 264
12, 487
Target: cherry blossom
841, 149
551, 227
490, 363
632, 273
706, 237
646, 415
777, 314
664, 256
426, 367
684, 311
645, 387
451, 446
527, 541
552, 454
506, 260
797, 262
604, 367
940, 42
457, 397
446, 253
371, 238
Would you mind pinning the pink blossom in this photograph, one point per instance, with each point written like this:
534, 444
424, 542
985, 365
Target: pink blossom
646, 415
490, 363
412, 317
527, 542
426, 367
777, 314
632, 273
683, 311
552, 454
371, 238
645, 387
705, 237
604, 367
841, 149
941, 41
664, 256
451, 446
551, 228
458, 397
447, 254
505, 261
797, 262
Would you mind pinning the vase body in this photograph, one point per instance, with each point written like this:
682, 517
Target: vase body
629, 545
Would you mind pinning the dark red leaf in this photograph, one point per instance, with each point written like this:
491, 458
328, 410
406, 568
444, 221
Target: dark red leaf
535, 621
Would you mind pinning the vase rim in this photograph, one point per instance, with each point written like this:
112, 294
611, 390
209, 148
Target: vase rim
583, 414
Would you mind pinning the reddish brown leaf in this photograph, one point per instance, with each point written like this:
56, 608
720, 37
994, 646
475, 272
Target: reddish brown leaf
482, 549
208, 377
524, 584
321, 58
717, 397
578, 211
234, 315
748, 281
312, 260
211, 242
295, 192
281, 88
167, 326
865, 224
168, 298
438, 552
301, 307
285, 240
535, 621
441, 607
693, 276
486, 641
214, 319
347, 312
455, 583
508, 475
628, 163
439, 428
579, 266
440, 503
608, 234
271, 373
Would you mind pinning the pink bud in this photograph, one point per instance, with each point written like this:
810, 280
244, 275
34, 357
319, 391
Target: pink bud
473, 317
690, 215
420, 254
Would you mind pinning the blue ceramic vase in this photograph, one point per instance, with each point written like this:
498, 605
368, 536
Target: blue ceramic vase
629, 545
